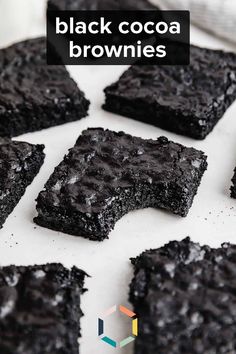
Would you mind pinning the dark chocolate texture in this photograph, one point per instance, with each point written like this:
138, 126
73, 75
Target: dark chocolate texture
107, 174
233, 187
185, 298
186, 100
100, 5
19, 164
34, 95
40, 309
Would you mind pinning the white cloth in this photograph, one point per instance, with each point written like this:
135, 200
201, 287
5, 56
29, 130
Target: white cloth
215, 16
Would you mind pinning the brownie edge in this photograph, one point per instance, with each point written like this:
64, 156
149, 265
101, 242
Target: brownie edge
233, 187
20, 162
40, 309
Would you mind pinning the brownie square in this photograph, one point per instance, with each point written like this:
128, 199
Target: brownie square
40, 309
100, 5
187, 100
20, 162
34, 95
107, 174
185, 298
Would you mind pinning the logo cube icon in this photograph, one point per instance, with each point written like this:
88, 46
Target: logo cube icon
127, 340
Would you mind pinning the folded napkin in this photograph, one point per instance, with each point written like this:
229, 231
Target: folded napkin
215, 16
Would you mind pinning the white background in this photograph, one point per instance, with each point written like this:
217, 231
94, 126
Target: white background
212, 218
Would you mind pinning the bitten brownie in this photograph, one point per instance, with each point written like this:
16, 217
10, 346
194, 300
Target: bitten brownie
100, 5
40, 309
107, 174
19, 164
187, 100
185, 298
34, 95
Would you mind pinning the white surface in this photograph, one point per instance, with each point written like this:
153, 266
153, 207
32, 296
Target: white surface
211, 220
20, 19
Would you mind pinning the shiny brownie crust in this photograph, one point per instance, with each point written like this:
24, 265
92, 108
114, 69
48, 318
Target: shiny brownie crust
187, 100
34, 95
107, 174
184, 296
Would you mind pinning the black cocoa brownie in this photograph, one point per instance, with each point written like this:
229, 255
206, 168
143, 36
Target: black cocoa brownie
19, 164
107, 174
100, 5
40, 309
187, 100
34, 95
185, 298
233, 187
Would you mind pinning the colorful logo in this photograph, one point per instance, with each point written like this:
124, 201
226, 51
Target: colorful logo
125, 341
